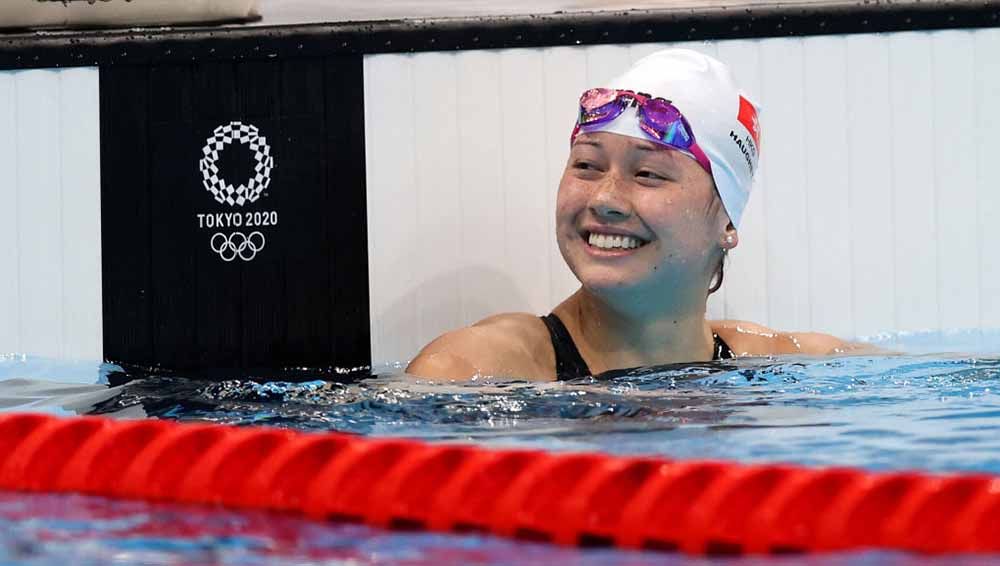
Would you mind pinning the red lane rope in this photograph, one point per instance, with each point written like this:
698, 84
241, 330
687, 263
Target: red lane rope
573, 499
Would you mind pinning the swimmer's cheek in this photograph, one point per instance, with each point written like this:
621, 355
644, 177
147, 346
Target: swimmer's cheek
442, 366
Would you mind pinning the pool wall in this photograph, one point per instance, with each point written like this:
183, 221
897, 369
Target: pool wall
50, 213
871, 214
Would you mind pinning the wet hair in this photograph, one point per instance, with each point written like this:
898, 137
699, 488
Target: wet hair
717, 278
716, 282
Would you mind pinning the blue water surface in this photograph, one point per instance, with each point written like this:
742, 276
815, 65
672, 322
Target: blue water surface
933, 408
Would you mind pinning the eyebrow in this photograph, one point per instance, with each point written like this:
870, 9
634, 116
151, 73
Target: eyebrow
587, 141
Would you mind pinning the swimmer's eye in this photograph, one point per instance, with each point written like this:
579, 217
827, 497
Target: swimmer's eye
651, 175
586, 169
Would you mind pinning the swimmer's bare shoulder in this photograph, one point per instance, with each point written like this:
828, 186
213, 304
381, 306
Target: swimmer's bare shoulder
508, 345
752, 339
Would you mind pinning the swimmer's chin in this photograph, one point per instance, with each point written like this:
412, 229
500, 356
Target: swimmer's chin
610, 287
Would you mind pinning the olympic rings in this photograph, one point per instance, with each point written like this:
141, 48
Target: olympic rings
237, 245
223, 191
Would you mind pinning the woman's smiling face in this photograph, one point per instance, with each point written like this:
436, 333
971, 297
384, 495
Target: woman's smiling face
632, 214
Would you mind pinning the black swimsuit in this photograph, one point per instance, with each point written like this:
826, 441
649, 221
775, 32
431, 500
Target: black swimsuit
569, 362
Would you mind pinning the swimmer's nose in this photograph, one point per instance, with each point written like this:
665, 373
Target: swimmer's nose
607, 203
609, 211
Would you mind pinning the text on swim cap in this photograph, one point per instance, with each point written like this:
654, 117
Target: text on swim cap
747, 148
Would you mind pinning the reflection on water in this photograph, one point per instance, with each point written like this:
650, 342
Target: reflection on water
55, 530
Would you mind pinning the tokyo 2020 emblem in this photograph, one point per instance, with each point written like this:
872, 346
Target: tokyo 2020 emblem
237, 244
222, 190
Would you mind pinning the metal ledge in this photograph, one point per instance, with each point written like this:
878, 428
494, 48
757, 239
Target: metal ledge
260, 41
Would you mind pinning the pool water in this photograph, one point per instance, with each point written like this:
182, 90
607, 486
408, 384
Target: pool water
50, 530
920, 410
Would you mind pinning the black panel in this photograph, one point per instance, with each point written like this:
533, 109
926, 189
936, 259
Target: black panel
263, 302
536, 30
174, 274
305, 279
125, 219
178, 296
219, 318
346, 168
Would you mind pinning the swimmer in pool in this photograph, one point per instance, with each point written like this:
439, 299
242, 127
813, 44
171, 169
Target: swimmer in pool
661, 164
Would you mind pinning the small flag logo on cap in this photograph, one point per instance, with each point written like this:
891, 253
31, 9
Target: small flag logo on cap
748, 117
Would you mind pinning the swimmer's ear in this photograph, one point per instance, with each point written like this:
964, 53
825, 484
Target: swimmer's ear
730, 238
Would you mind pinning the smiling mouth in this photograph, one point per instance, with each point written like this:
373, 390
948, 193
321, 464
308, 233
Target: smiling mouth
613, 241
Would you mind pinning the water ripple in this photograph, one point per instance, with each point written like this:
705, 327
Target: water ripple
882, 412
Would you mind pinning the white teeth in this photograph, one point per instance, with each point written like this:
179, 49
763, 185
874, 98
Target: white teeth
609, 242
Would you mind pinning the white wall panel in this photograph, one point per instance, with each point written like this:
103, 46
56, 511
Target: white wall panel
782, 67
522, 136
986, 81
873, 211
955, 178
10, 282
437, 188
827, 174
394, 248
912, 161
869, 185
50, 195
483, 267
39, 188
81, 214
605, 62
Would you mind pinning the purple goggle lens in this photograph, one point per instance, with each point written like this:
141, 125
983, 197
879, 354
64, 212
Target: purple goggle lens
658, 118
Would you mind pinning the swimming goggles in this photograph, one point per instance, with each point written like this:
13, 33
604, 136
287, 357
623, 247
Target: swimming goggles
658, 118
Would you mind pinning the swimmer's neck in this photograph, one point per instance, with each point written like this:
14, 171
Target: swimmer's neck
611, 337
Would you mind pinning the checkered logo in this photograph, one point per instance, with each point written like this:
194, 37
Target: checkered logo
222, 190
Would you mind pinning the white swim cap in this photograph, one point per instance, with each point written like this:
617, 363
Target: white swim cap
721, 115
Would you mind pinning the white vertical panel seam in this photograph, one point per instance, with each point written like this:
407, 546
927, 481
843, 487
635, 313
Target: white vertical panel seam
852, 244
374, 323
847, 197
762, 208
503, 167
975, 161
462, 291
934, 188
411, 265
805, 180
548, 223
887, 42
15, 113
977, 138
17, 191
60, 124
100, 219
